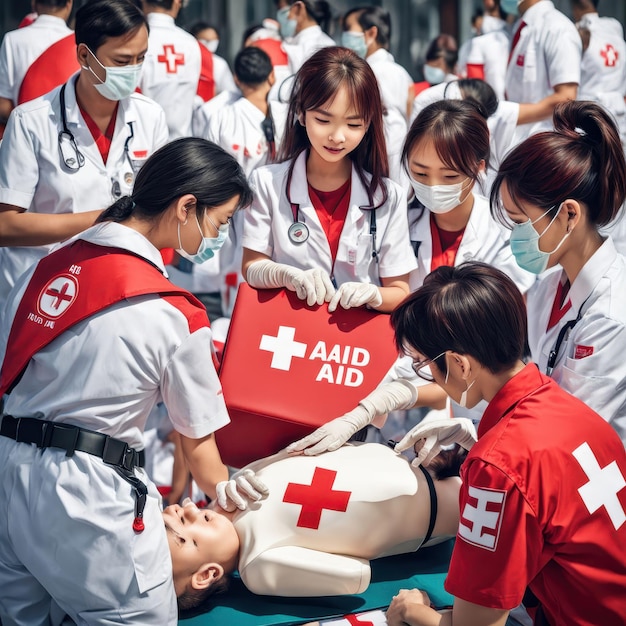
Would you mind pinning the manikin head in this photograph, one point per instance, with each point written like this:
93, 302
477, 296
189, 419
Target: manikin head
204, 547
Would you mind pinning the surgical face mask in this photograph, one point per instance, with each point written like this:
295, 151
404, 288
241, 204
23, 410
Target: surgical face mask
434, 75
210, 44
287, 26
463, 398
525, 244
510, 6
438, 198
208, 245
119, 82
354, 41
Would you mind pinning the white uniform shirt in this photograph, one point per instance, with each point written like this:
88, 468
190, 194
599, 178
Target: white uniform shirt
548, 53
379, 507
222, 75
431, 94
483, 240
590, 362
23, 46
491, 50
268, 220
33, 175
394, 83
107, 386
603, 69
304, 45
203, 113
171, 72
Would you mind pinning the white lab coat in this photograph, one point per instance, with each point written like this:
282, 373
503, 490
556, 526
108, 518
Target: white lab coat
491, 51
603, 69
62, 515
483, 240
304, 45
203, 113
548, 53
394, 83
270, 216
222, 75
34, 177
171, 71
590, 363
23, 46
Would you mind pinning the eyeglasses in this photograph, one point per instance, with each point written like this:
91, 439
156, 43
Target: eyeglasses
418, 368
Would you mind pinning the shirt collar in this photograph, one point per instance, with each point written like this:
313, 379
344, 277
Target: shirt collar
535, 14
160, 19
591, 273
512, 392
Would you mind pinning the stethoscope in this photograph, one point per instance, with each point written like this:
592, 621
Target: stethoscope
563, 333
74, 159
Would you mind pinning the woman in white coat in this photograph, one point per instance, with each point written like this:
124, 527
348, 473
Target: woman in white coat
556, 190
93, 337
67, 155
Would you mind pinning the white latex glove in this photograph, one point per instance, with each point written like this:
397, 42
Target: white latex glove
312, 285
397, 394
437, 433
243, 483
351, 295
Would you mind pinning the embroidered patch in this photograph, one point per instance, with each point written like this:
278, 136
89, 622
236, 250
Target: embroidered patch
582, 351
482, 517
520, 60
57, 296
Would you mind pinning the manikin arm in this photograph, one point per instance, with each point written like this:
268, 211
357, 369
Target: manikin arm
293, 571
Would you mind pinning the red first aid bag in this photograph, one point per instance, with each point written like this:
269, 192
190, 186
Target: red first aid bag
288, 368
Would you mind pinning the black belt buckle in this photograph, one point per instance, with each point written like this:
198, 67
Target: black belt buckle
116, 452
64, 436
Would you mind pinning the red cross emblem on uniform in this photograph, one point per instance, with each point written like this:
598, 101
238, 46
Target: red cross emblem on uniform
57, 296
316, 497
171, 58
610, 56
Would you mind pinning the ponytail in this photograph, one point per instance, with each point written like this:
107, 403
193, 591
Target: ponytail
118, 211
581, 159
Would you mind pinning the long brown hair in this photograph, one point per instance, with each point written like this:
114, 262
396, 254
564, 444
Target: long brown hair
317, 82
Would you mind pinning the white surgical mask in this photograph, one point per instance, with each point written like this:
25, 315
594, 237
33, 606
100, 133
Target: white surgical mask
354, 41
119, 82
210, 44
434, 75
438, 198
287, 26
463, 398
510, 6
208, 245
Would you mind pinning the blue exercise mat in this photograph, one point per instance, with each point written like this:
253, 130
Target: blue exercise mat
425, 570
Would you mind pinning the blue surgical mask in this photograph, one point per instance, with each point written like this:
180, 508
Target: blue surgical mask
208, 245
354, 41
510, 6
525, 244
119, 82
434, 75
287, 26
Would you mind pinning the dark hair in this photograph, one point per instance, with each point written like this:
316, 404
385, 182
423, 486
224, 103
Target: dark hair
318, 10
379, 17
165, 4
196, 601
582, 159
54, 4
473, 309
443, 47
448, 462
458, 131
480, 93
317, 82
184, 166
249, 32
100, 20
252, 66
197, 27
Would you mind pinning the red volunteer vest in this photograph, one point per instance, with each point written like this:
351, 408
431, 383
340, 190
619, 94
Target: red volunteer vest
206, 82
73, 284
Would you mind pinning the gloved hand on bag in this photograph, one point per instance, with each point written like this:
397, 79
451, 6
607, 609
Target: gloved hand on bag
350, 295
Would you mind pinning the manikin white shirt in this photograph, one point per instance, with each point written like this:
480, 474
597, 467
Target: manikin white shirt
34, 177
268, 220
23, 46
548, 53
116, 365
590, 362
171, 71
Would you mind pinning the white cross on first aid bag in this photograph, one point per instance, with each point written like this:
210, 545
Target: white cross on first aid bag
288, 368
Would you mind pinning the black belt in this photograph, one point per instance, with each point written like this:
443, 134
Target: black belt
70, 438
433, 504
114, 452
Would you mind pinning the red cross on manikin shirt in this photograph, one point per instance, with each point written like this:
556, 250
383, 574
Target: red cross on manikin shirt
59, 295
316, 497
171, 58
